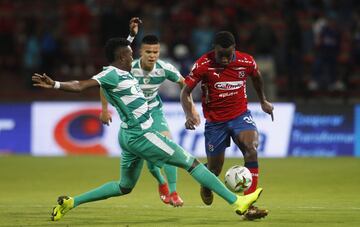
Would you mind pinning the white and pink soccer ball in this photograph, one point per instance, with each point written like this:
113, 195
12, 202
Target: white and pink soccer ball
238, 178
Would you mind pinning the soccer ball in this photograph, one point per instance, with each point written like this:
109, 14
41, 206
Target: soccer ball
238, 178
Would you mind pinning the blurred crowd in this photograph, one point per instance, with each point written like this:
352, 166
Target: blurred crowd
304, 48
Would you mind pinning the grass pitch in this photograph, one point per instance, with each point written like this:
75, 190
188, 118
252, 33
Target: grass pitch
297, 191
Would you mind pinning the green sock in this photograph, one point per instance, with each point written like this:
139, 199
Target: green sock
155, 171
105, 191
171, 175
209, 180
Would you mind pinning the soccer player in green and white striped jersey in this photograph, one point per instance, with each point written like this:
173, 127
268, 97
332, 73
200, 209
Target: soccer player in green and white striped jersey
151, 72
137, 137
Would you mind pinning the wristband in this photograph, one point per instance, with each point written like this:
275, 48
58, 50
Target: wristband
130, 38
57, 85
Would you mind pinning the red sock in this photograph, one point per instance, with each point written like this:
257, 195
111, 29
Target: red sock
255, 174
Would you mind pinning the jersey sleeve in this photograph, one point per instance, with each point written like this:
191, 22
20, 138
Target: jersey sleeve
254, 67
194, 77
106, 79
171, 73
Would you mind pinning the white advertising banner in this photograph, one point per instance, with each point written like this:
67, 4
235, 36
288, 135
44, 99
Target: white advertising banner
61, 128
274, 136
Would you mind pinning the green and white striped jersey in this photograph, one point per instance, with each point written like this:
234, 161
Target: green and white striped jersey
151, 81
122, 91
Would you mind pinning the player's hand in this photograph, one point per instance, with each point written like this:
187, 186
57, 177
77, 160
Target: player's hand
105, 118
267, 107
192, 121
42, 81
134, 26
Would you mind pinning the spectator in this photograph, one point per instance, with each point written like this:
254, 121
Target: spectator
354, 63
50, 51
69, 36
293, 53
264, 40
7, 24
32, 52
327, 44
78, 21
202, 35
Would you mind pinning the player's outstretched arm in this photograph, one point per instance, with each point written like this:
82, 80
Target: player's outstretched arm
105, 115
44, 81
192, 116
258, 84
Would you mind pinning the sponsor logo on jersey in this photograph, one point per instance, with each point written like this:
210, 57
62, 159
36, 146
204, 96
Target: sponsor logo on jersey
148, 93
206, 61
229, 85
227, 94
146, 80
216, 74
242, 74
245, 61
135, 89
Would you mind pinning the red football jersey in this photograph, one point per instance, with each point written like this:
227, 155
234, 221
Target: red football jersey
223, 87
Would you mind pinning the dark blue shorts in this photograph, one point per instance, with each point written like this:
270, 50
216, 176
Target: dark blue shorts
217, 134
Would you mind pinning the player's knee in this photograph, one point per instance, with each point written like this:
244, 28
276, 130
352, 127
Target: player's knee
251, 150
125, 191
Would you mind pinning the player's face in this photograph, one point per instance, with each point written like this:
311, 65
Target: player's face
224, 56
149, 54
126, 56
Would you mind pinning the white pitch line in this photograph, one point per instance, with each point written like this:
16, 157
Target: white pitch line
184, 207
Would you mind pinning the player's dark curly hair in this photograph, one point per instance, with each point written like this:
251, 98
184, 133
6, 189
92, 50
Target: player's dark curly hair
112, 45
150, 39
224, 39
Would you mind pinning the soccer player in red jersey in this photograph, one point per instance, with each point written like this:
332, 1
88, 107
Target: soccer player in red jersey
223, 73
